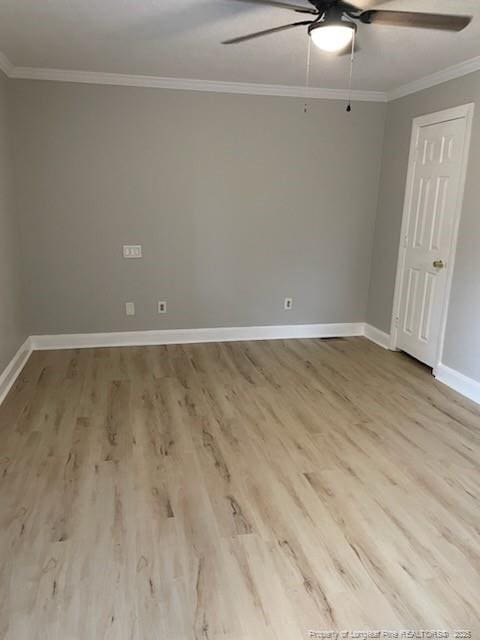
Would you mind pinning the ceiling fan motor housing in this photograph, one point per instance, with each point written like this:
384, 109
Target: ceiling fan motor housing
333, 16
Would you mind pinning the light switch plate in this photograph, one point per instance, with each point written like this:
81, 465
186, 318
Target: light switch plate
130, 308
132, 250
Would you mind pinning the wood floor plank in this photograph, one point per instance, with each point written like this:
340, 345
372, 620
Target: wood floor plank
236, 491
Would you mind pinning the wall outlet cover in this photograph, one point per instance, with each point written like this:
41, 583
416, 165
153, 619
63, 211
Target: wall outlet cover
132, 250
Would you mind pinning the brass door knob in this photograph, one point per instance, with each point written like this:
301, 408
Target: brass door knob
438, 264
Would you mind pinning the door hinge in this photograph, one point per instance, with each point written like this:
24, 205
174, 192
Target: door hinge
396, 322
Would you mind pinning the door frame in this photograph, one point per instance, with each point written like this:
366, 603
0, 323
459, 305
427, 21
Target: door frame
456, 113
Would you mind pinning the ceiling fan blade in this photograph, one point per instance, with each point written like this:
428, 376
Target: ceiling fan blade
266, 32
443, 22
284, 5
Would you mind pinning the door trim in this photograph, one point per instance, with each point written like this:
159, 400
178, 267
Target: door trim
456, 113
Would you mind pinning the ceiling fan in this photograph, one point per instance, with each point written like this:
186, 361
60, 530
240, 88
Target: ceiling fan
334, 22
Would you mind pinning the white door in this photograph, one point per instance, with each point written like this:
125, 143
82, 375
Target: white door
434, 193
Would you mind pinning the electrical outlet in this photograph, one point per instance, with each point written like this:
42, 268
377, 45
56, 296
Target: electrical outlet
288, 304
132, 250
162, 306
130, 308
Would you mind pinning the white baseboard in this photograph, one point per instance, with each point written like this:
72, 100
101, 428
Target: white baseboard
455, 380
188, 336
376, 335
13, 369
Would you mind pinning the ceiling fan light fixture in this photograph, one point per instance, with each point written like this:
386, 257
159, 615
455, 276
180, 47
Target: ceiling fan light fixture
332, 36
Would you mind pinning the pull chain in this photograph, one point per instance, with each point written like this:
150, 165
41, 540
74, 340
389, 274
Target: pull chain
352, 57
307, 74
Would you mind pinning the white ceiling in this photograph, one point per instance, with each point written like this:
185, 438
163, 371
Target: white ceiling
181, 39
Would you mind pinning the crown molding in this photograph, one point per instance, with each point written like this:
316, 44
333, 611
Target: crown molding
187, 84
449, 73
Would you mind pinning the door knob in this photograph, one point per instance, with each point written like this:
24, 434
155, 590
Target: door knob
438, 264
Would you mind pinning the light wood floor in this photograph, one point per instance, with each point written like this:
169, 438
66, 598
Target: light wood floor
243, 491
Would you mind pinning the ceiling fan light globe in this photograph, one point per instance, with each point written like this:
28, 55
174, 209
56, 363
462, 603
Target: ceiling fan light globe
333, 37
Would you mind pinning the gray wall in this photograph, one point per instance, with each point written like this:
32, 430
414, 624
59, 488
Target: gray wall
12, 326
239, 201
462, 344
